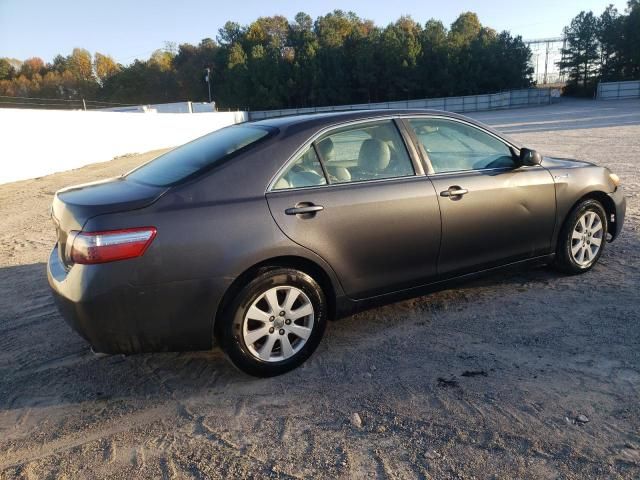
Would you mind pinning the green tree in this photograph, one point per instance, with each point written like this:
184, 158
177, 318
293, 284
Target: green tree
433, 64
339, 58
7, 71
582, 55
400, 51
464, 30
630, 49
610, 36
304, 43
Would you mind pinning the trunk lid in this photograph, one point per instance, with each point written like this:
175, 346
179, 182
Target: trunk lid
73, 206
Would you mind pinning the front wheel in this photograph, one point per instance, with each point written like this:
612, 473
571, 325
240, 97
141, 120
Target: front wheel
582, 238
275, 323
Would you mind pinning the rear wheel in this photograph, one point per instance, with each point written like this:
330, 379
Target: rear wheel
582, 238
275, 323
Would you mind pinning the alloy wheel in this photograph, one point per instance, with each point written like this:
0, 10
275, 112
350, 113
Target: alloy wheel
586, 238
278, 323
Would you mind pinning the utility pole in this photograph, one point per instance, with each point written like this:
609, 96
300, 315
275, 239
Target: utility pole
546, 61
207, 78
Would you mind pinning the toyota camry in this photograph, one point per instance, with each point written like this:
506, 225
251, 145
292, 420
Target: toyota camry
253, 236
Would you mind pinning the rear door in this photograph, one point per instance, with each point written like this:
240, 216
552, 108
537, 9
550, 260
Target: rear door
354, 198
493, 211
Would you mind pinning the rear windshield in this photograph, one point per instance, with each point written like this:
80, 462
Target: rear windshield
197, 155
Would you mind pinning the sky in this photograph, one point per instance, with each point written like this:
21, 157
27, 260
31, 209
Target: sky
130, 29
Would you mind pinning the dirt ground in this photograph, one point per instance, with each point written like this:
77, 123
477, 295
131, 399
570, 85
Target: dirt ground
522, 375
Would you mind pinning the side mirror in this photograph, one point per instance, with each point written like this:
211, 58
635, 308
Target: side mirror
530, 157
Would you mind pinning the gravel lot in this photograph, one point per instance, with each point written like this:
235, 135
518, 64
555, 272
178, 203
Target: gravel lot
525, 375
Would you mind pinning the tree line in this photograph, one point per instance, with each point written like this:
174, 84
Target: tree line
339, 58
604, 48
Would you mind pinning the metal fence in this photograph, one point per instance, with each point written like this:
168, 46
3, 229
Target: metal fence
619, 90
470, 103
175, 107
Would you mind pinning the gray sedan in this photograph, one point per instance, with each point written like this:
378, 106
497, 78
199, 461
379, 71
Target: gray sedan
255, 235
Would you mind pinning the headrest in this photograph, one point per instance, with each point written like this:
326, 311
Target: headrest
374, 155
305, 179
325, 148
341, 174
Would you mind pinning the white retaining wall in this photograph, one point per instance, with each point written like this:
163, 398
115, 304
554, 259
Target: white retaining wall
619, 90
40, 142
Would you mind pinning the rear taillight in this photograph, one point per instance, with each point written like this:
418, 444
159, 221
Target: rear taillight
101, 247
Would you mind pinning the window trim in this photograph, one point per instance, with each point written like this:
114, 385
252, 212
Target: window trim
515, 151
418, 170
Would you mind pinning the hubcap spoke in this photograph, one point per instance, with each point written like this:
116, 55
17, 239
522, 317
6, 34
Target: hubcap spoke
292, 296
255, 313
576, 235
272, 299
303, 311
254, 335
596, 241
287, 349
302, 332
589, 219
583, 226
267, 348
575, 248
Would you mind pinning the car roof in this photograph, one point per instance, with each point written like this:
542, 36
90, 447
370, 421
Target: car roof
329, 118
318, 121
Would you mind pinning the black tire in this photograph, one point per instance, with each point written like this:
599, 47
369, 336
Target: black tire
564, 260
231, 334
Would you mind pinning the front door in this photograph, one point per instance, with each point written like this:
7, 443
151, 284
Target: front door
493, 211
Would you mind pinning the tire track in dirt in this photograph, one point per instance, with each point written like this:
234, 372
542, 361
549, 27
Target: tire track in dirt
69, 442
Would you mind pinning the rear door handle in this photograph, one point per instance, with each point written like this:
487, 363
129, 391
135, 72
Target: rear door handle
454, 191
301, 210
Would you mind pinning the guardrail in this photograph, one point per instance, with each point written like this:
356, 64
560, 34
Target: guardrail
469, 103
175, 107
619, 90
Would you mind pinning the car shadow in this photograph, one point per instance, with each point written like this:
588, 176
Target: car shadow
44, 363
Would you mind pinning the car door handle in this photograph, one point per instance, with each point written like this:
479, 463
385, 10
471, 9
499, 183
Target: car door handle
454, 191
301, 210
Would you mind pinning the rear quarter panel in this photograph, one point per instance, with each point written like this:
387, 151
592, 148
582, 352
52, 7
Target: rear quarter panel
209, 232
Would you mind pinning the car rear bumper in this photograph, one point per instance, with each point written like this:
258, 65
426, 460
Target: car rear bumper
620, 203
114, 316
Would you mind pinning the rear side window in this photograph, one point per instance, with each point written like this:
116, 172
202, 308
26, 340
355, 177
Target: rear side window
305, 171
197, 155
365, 152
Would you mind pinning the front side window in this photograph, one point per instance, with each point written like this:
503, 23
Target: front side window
304, 171
365, 152
454, 146
197, 155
